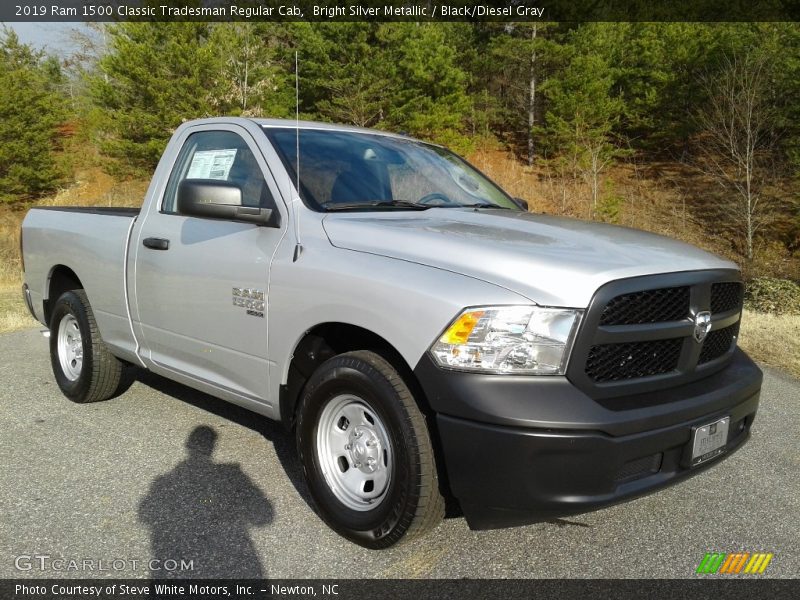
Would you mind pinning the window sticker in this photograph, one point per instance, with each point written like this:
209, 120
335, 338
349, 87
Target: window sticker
211, 164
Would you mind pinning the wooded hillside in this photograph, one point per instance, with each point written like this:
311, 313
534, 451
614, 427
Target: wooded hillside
689, 129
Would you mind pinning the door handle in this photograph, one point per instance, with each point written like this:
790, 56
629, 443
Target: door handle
156, 243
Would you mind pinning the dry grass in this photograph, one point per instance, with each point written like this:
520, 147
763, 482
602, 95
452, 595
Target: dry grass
772, 340
650, 199
92, 187
9, 248
13, 313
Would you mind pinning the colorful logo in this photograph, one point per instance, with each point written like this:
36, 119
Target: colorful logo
737, 562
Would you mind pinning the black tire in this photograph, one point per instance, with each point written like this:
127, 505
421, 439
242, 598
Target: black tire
102, 375
412, 503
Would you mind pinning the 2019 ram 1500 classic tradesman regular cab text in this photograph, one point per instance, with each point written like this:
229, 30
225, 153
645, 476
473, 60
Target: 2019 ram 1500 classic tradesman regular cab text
423, 335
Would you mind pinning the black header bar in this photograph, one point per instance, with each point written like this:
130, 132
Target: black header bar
366, 10
710, 586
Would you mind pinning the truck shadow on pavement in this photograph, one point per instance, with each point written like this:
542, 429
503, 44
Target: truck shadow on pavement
166, 507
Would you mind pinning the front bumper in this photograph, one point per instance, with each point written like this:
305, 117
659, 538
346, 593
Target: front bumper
541, 449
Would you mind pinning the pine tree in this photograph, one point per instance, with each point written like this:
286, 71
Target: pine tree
30, 112
585, 111
343, 77
521, 57
403, 76
428, 87
155, 76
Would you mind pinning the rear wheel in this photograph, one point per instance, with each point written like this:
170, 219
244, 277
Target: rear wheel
366, 452
84, 368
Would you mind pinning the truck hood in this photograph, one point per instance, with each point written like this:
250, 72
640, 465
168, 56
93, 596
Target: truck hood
552, 261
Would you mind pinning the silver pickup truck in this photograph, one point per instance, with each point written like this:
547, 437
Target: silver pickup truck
423, 334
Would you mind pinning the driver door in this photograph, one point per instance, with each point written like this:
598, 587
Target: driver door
200, 284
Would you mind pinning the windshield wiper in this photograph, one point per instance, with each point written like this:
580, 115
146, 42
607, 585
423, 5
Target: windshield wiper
405, 204
475, 205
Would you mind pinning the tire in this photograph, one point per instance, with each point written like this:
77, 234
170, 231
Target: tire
84, 368
357, 398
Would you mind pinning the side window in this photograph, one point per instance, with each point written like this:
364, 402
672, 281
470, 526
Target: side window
221, 156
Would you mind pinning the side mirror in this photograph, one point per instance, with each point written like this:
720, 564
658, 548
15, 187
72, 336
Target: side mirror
214, 199
523, 204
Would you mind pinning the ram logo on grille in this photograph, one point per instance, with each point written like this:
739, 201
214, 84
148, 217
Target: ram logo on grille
702, 325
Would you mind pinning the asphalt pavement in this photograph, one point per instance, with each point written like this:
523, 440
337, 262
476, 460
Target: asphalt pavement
163, 474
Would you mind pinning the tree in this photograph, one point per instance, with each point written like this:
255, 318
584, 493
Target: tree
30, 112
254, 82
738, 141
399, 75
583, 114
427, 87
521, 55
343, 76
154, 76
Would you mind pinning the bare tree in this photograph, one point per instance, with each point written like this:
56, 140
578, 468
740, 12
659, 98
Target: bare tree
595, 154
89, 42
738, 141
532, 95
250, 74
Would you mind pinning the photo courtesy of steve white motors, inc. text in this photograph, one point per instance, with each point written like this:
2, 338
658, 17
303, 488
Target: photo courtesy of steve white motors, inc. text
194, 590
126, 11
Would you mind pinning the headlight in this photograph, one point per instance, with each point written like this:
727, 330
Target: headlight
509, 339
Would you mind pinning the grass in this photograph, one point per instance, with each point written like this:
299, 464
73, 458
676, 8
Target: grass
772, 340
13, 313
92, 187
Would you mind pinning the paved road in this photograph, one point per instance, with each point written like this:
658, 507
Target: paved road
116, 480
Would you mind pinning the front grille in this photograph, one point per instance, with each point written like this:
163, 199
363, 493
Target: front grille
717, 343
637, 335
647, 306
726, 296
612, 362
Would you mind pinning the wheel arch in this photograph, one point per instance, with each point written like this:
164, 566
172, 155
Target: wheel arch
326, 340
60, 279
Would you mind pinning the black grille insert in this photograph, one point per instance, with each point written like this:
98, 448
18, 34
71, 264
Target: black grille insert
641, 467
615, 362
647, 306
717, 343
726, 296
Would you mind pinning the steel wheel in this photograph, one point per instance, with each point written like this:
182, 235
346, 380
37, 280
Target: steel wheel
366, 451
83, 365
354, 452
70, 347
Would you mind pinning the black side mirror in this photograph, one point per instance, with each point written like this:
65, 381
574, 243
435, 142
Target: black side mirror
523, 204
214, 199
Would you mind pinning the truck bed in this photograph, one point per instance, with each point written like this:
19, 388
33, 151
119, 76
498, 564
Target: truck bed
92, 242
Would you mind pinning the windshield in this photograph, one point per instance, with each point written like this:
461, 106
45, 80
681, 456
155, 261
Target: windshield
341, 170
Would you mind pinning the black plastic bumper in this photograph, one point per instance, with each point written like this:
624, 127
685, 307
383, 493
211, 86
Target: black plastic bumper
524, 449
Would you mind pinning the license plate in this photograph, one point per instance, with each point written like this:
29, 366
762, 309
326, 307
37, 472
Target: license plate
708, 441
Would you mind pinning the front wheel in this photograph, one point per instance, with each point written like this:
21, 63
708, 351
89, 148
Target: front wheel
84, 368
366, 452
